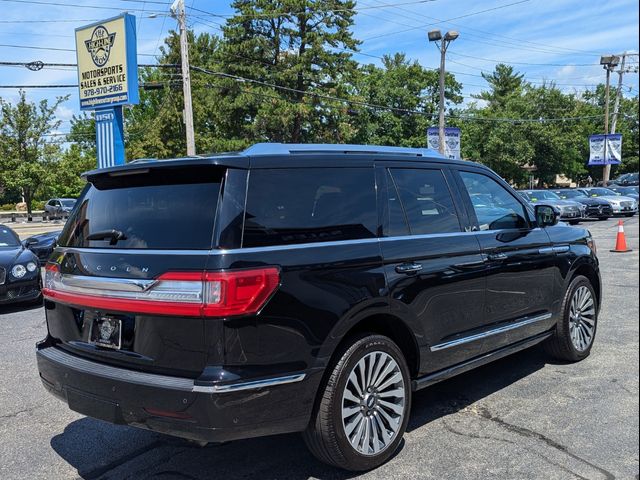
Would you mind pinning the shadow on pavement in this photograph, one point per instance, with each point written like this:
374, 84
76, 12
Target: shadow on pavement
20, 307
101, 450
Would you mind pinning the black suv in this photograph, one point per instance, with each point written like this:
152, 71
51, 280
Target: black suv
302, 288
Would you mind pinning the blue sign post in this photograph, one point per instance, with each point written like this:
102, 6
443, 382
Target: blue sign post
109, 137
108, 79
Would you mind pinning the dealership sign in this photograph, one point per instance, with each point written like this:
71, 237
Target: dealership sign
451, 141
107, 63
605, 149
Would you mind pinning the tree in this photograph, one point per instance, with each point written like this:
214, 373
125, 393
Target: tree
412, 94
302, 46
504, 83
26, 144
155, 127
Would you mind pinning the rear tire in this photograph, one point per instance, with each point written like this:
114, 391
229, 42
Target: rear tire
576, 329
363, 408
629, 214
603, 218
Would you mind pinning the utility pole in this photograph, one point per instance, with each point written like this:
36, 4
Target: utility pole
616, 105
609, 62
436, 36
178, 12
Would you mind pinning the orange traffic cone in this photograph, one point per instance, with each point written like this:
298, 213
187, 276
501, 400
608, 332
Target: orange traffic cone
621, 241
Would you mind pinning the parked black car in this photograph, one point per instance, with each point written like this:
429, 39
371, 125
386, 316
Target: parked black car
19, 270
627, 180
594, 207
42, 245
302, 288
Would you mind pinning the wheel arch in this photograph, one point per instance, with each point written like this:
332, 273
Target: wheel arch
389, 326
588, 268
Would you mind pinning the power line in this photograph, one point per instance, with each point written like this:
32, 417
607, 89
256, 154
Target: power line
447, 20
55, 49
493, 34
75, 5
310, 11
53, 21
526, 63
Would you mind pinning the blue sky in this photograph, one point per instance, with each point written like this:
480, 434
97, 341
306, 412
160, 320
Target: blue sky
558, 40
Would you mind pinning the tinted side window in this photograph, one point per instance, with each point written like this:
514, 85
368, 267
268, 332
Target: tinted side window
395, 221
495, 207
427, 200
286, 206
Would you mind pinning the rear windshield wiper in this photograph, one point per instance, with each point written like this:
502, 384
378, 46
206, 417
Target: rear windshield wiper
113, 235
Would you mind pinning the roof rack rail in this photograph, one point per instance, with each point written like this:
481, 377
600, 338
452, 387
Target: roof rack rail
293, 148
143, 160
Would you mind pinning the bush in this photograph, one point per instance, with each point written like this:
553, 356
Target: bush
38, 204
8, 207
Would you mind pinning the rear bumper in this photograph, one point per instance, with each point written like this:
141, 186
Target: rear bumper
179, 406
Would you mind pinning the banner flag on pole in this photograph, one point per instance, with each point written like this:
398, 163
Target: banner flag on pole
451, 141
605, 149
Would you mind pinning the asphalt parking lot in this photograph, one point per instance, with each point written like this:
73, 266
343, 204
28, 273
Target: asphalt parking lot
521, 417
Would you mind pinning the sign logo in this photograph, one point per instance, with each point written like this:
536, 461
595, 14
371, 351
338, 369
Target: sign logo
100, 44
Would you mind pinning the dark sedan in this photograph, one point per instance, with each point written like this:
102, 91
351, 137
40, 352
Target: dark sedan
627, 180
631, 192
42, 245
19, 270
594, 207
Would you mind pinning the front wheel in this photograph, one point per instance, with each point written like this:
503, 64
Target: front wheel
629, 214
576, 330
603, 218
362, 413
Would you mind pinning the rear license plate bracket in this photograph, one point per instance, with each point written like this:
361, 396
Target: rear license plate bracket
106, 332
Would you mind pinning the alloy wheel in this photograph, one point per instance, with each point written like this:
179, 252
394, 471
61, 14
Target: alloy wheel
582, 318
373, 403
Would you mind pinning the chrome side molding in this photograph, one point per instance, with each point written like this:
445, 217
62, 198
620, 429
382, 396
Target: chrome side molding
489, 333
236, 387
560, 249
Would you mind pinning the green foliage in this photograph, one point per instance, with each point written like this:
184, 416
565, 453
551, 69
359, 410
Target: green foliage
303, 85
26, 149
407, 87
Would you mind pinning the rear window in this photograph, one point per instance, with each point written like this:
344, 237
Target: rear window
163, 209
287, 206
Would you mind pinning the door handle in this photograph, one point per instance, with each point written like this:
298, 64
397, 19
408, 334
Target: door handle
408, 268
497, 256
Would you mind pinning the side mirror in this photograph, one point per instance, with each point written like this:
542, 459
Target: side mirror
30, 242
546, 215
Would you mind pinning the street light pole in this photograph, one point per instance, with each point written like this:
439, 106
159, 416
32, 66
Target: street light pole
609, 62
442, 44
606, 171
178, 11
443, 54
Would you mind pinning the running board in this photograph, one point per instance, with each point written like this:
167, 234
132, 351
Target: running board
441, 375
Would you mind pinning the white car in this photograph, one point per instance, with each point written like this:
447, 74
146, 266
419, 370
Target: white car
621, 205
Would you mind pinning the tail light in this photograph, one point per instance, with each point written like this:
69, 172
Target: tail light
194, 294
